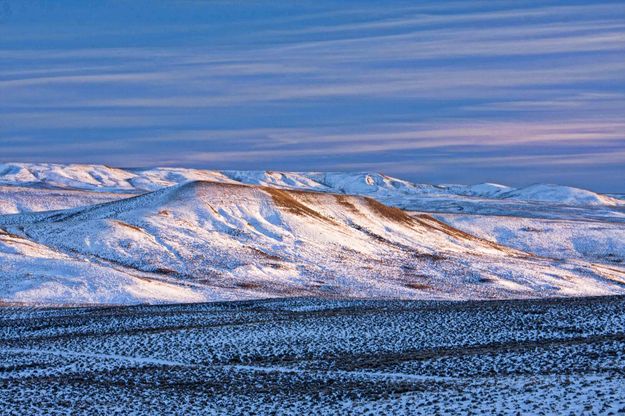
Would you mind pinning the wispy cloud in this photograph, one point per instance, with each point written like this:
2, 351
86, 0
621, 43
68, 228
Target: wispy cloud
451, 84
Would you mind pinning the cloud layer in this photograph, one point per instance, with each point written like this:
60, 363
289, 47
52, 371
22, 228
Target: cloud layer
443, 91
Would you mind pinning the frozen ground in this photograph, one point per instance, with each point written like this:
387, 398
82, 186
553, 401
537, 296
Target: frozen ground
305, 356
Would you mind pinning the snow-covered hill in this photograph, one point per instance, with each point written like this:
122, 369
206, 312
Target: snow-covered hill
209, 241
81, 234
386, 189
602, 242
559, 194
484, 190
20, 199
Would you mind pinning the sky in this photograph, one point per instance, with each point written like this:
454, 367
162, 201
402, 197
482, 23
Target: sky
514, 92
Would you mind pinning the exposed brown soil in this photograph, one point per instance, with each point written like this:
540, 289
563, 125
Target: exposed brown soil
285, 199
418, 286
391, 213
430, 256
132, 227
15, 239
344, 201
202, 183
8, 234
249, 285
264, 255
166, 271
7, 238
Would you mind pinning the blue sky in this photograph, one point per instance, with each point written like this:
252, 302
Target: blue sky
514, 92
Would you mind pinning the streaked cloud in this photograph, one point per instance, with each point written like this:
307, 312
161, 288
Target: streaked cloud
448, 84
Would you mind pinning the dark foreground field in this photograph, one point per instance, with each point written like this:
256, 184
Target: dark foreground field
317, 357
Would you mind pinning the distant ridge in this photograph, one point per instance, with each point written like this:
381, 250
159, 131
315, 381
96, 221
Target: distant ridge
386, 189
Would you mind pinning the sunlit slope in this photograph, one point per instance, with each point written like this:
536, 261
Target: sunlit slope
224, 241
33, 273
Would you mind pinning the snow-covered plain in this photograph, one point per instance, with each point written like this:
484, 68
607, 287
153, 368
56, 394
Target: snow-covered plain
92, 234
305, 357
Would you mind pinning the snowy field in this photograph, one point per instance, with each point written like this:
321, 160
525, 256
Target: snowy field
591, 240
304, 356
